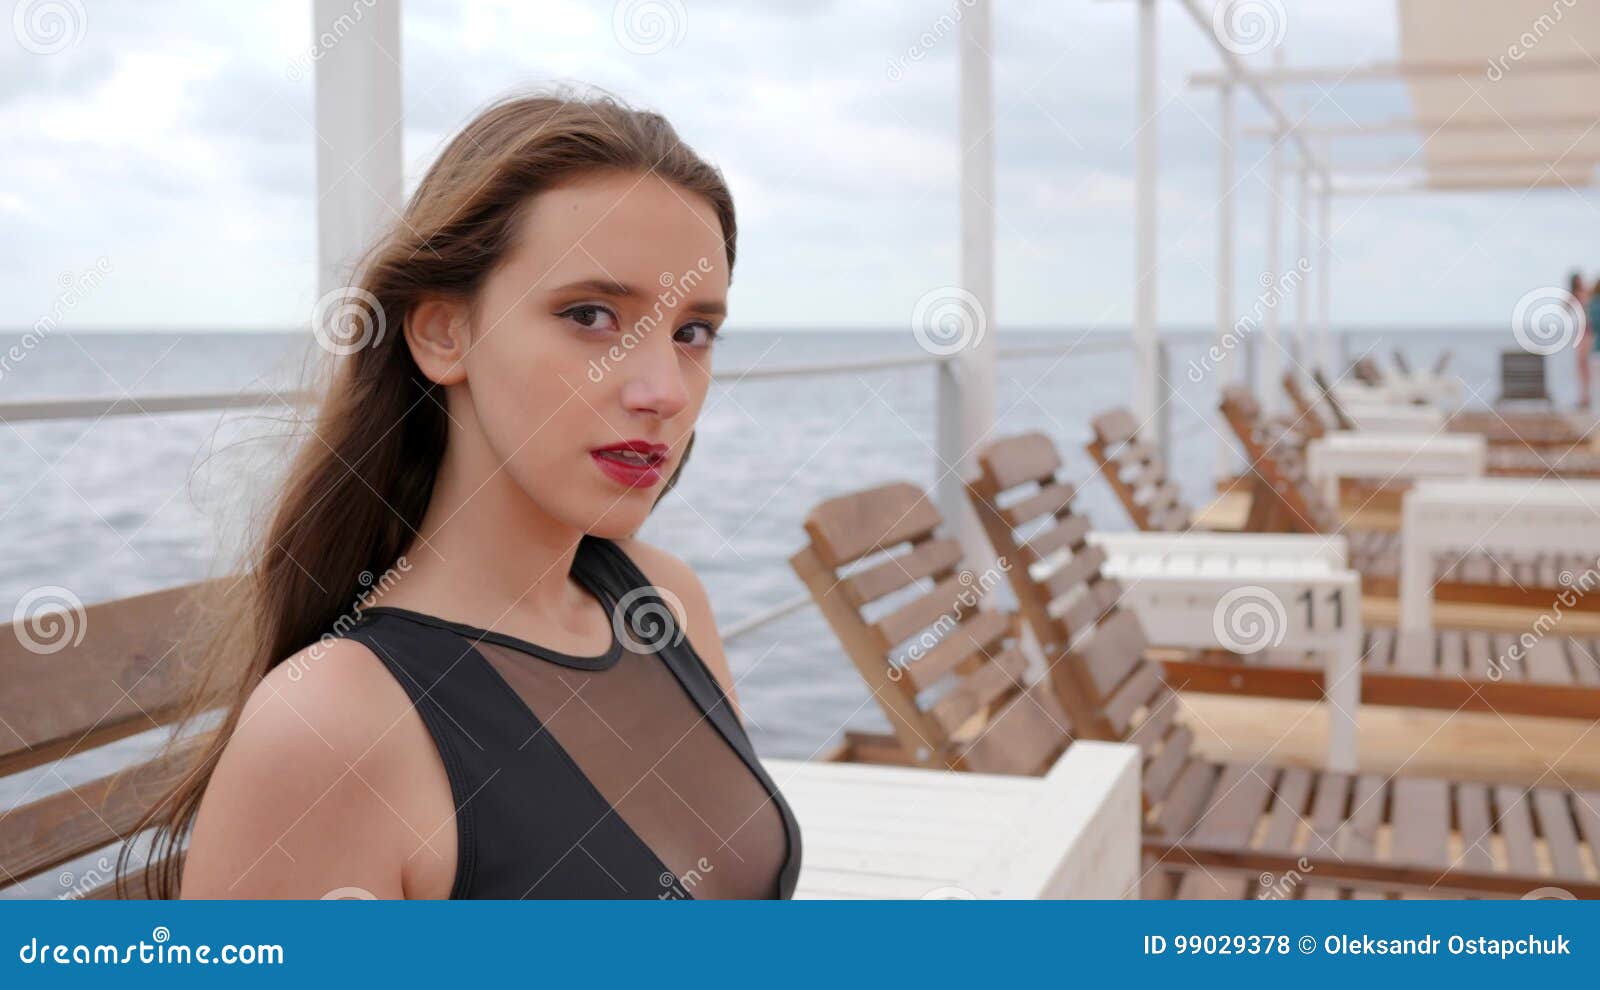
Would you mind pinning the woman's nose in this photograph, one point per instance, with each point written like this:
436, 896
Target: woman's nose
656, 382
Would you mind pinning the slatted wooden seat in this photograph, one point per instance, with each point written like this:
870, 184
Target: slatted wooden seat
1522, 377
1137, 473
1518, 428
1444, 668
1306, 409
1212, 828
1520, 444
116, 673
948, 673
1299, 506
1284, 499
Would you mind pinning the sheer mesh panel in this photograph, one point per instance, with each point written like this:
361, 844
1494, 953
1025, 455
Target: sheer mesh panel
666, 770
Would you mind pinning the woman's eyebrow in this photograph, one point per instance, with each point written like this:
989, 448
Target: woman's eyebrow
619, 290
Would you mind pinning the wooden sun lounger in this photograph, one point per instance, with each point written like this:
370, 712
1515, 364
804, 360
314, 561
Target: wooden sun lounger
1440, 667
120, 679
885, 580
1297, 505
1520, 444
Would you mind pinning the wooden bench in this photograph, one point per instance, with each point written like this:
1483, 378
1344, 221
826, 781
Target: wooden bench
73, 685
1432, 668
1210, 829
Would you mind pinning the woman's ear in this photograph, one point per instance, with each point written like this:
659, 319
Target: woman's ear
436, 330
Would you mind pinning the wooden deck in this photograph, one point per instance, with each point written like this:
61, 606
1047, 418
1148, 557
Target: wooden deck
903, 833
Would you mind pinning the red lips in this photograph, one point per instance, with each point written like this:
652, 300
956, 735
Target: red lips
631, 463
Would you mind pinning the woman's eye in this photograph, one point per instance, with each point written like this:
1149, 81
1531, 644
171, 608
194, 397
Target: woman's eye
696, 334
590, 317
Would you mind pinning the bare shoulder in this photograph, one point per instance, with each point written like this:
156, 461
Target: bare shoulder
668, 572
300, 802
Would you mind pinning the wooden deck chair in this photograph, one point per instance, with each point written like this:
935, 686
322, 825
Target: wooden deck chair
1307, 409
1443, 668
1367, 371
1519, 428
1283, 498
105, 673
1211, 828
1522, 378
1137, 473
1302, 508
1331, 401
948, 673
1513, 454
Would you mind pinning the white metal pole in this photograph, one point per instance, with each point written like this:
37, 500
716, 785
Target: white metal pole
358, 151
1270, 363
1302, 291
966, 380
1145, 154
1225, 372
1268, 384
1325, 265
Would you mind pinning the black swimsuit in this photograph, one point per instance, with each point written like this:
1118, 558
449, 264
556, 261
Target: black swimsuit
620, 775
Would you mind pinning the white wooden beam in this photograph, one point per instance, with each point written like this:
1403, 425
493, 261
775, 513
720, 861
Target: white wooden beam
358, 129
1386, 71
1146, 158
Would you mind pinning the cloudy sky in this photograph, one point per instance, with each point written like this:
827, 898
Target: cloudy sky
174, 140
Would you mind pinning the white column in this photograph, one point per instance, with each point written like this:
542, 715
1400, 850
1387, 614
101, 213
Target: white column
1325, 265
1302, 291
966, 380
1145, 264
1270, 363
1225, 373
358, 124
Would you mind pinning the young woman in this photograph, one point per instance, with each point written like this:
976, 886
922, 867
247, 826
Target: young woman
454, 671
1584, 346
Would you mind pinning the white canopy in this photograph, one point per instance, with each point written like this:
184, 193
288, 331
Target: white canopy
1506, 93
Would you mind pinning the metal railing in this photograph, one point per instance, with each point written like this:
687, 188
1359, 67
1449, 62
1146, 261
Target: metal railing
46, 410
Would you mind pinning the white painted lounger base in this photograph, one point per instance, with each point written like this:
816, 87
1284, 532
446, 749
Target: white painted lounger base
1199, 591
906, 833
1509, 517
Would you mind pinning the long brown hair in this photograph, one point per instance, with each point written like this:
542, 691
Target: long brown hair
354, 496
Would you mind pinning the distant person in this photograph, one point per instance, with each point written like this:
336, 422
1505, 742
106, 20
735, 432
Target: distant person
1581, 300
1590, 347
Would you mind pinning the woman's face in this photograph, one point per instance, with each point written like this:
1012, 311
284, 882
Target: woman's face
595, 337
